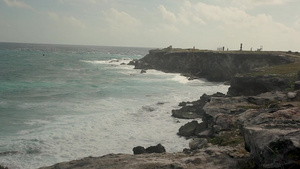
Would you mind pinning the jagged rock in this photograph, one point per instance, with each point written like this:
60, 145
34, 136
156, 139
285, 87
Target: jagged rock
133, 62
188, 129
273, 139
156, 149
197, 143
201, 127
206, 133
143, 71
2, 167
217, 128
222, 111
192, 110
152, 149
206, 158
139, 150
149, 108
250, 86
225, 122
188, 112
297, 85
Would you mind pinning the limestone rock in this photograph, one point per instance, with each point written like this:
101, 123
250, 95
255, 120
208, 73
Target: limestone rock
139, 150
273, 139
214, 66
297, 85
249, 86
152, 149
156, 149
188, 129
197, 143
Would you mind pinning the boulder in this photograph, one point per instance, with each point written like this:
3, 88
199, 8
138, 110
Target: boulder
197, 143
139, 150
193, 110
250, 86
297, 85
152, 149
188, 129
156, 149
188, 112
222, 111
273, 139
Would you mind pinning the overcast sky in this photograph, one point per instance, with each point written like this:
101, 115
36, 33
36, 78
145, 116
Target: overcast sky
205, 24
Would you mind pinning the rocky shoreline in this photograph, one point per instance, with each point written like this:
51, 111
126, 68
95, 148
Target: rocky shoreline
255, 125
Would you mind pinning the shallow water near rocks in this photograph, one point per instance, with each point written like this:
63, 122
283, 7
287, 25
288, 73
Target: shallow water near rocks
60, 103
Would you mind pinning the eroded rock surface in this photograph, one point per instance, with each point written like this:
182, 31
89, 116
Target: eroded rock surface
212, 157
272, 138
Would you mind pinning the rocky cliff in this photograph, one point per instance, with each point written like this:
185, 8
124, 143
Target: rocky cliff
213, 66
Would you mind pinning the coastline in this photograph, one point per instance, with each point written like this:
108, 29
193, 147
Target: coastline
230, 135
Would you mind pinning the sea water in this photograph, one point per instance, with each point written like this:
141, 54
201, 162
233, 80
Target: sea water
60, 103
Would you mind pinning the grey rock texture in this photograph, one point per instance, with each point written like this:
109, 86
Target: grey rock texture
273, 139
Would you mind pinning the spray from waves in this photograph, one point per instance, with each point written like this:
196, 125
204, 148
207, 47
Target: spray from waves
110, 61
92, 109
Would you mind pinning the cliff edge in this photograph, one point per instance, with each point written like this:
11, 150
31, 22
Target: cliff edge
211, 65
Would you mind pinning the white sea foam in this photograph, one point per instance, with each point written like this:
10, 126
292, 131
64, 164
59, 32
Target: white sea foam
110, 61
120, 111
181, 79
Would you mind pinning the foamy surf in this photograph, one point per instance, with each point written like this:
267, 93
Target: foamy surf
110, 61
76, 104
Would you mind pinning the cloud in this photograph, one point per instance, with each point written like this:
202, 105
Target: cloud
167, 15
253, 3
119, 20
82, 1
230, 24
18, 4
70, 20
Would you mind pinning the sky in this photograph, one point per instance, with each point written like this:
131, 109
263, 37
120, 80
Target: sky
205, 24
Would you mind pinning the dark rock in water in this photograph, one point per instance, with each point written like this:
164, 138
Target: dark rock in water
148, 108
139, 150
160, 103
8, 153
188, 112
114, 61
143, 71
188, 129
133, 62
123, 63
152, 149
156, 149
201, 127
192, 110
250, 86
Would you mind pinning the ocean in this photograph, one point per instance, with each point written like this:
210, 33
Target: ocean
63, 102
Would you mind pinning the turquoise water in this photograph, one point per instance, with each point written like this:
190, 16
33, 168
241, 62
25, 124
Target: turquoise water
59, 103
